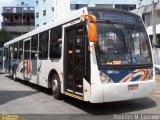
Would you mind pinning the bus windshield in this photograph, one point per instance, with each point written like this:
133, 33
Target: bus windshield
122, 44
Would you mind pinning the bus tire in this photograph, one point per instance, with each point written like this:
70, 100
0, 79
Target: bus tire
56, 87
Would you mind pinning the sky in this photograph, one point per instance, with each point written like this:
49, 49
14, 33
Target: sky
12, 3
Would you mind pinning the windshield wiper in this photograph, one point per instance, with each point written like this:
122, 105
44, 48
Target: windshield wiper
118, 33
116, 30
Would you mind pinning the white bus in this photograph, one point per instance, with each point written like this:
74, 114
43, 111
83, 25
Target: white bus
95, 54
1, 59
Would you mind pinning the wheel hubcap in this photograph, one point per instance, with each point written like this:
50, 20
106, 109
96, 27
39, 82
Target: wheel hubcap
14, 75
54, 85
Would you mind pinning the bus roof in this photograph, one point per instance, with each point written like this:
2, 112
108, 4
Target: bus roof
60, 21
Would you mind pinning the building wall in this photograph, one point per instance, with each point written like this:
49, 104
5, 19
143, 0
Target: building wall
53, 8
40, 7
18, 20
146, 13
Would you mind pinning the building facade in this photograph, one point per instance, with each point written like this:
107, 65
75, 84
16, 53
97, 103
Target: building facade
48, 10
18, 20
146, 13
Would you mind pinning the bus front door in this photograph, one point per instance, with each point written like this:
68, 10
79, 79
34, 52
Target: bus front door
74, 60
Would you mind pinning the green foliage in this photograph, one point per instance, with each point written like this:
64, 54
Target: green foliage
5, 36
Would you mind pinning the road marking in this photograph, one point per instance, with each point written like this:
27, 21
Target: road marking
73, 95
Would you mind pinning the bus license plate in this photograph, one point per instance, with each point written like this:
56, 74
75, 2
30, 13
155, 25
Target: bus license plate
133, 87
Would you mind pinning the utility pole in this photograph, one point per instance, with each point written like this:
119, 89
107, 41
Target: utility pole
154, 41
22, 5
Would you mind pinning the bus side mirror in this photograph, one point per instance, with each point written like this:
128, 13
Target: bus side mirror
92, 27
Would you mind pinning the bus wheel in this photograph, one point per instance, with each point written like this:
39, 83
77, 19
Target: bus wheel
56, 88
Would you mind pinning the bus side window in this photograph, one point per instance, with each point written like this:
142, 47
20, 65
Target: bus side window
15, 50
56, 42
5, 52
10, 52
43, 45
34, 46
20, 49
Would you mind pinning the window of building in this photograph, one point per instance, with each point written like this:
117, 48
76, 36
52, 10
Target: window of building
6, 18
8, 8
25, 8
55, 42
37, 2
44, 12
31, 8
43, 45
14, 10
52, 8
104, 5
77, 6
37, 15
16, 17
28, 18
147, 19
32, 17
34, 46
11, 18
37, 25
125, 7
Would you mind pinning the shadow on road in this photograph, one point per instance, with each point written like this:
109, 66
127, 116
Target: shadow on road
7, 96
94, 109
112, 107
33, 86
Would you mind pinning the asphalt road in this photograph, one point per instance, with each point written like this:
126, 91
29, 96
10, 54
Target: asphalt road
20, 97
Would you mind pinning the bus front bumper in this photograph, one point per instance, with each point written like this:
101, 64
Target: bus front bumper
120, 91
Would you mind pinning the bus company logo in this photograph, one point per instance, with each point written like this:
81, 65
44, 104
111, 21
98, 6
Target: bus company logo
113, 72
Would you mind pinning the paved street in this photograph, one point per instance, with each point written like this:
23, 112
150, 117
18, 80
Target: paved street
20, 97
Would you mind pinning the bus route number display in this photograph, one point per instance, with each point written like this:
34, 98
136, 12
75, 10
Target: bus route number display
116, 17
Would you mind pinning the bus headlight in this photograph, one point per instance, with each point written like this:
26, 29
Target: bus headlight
104, 78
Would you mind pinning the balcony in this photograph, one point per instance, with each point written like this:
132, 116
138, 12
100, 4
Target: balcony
18, 28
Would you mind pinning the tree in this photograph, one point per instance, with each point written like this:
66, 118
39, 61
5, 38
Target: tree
5, 36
